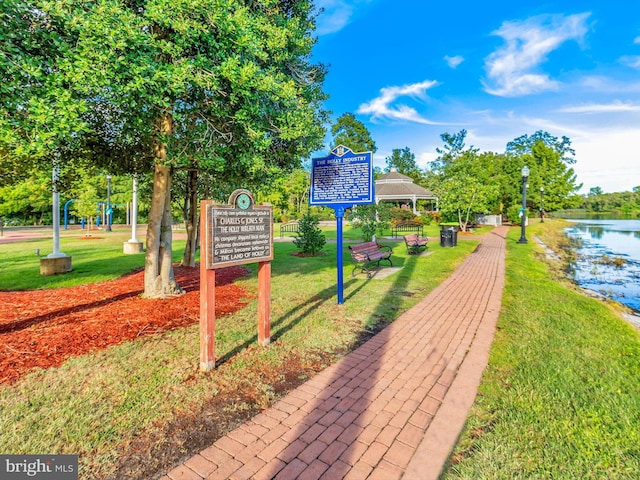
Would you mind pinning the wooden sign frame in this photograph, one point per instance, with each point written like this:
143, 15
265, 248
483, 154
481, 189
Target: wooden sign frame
234, 234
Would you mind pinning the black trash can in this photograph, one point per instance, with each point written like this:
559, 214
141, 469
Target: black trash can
448, 235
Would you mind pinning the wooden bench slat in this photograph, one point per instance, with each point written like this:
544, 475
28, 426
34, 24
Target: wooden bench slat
415, 243
365, 255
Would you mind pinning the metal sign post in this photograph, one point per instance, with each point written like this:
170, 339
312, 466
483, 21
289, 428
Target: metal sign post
339, 181
340, 280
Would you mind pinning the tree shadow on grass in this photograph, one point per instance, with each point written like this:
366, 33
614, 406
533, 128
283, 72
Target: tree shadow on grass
289, 319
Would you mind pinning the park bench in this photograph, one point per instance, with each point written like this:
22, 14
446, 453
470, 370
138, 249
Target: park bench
290, 227
367, 255
415, 243
402, 227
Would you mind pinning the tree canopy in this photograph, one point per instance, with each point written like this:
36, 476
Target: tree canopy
404, 161
352, 133
525, 144
468, 181
225, 86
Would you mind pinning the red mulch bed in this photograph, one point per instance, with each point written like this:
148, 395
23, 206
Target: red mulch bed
44, 328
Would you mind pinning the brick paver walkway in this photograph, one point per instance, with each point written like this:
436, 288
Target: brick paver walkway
391, 409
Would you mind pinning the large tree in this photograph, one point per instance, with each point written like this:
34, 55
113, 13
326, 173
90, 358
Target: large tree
224, 86
525, 143
467, 182
29, 199
352, 133
549, 160
40, 116
404, 161
471, 182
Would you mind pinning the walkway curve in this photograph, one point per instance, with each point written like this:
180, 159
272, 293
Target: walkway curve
391, 409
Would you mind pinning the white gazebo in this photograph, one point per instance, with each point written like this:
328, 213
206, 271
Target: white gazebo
395, 187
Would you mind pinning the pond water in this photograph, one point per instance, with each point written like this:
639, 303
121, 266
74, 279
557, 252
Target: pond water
608, 260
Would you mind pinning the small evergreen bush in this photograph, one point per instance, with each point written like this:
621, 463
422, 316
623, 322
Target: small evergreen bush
310, 239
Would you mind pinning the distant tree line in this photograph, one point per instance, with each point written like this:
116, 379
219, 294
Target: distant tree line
466, 181
469, 182
620, 203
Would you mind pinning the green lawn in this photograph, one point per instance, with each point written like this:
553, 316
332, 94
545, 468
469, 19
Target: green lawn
97, 404
561, 396
96, 257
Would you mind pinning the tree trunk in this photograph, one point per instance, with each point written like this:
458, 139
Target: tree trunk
159, 281
191, 220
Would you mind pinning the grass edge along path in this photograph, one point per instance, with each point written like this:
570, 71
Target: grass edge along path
98, 405
560, 397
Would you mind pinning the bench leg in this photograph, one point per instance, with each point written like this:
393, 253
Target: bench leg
362, 269
366, 267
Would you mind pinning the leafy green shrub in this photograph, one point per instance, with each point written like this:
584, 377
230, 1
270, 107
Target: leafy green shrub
369, 219
323, 213
404, 214
514, 214
310, 239
429, 217
399, 214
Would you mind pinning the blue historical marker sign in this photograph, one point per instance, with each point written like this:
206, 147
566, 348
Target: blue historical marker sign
342, 178
340, 181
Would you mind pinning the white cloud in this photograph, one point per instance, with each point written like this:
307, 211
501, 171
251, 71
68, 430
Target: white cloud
605, 151
334, 17
454, 61
631, 60
616, 106
636, 40
424, 158
601, 84
337, 14
607, 159
528, 42
381, 106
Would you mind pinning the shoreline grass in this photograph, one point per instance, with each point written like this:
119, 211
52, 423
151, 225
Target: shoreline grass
561, 395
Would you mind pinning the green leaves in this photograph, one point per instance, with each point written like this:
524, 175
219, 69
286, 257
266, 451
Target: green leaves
470, 182
225, 69
404, 161
352, 133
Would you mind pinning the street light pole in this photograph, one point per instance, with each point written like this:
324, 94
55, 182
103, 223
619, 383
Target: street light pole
108, 229
525, 176
541, 204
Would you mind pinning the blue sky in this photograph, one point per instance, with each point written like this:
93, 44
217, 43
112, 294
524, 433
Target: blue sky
413, 69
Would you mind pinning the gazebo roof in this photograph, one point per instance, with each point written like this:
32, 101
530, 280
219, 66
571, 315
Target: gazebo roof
395, 186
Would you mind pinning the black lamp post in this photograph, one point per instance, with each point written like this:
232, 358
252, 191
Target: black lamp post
108, 229
525, 176
541, 204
